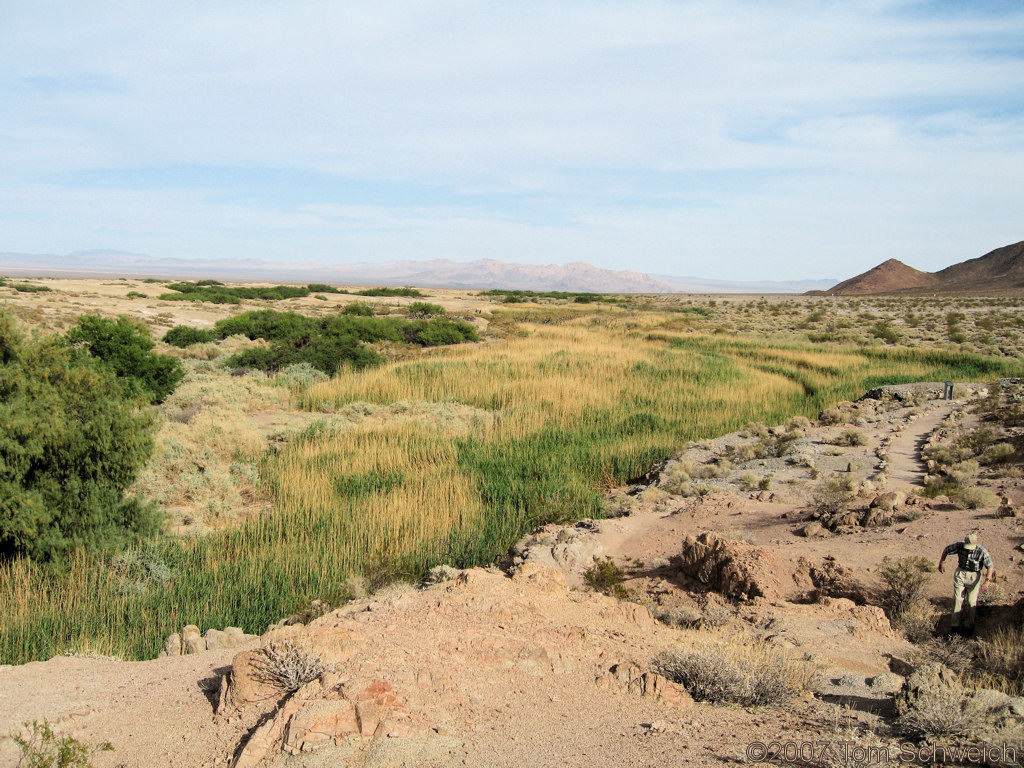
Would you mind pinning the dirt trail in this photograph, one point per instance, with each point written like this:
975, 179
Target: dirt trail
906, 470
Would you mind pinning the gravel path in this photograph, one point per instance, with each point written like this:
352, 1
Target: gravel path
906, 469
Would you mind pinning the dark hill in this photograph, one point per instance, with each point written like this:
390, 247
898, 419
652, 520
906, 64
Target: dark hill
1002, 268
891, 275
998, 272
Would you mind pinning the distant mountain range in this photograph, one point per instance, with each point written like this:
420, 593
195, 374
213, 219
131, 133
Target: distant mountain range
998, 272
577, 276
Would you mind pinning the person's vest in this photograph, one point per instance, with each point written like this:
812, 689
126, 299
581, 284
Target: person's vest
971, 559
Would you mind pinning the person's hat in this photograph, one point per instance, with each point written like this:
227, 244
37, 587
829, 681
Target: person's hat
970, 541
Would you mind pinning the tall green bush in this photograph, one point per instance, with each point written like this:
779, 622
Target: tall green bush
125, 346
72, 439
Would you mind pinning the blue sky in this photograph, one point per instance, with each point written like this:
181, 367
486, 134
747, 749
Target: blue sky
731, 140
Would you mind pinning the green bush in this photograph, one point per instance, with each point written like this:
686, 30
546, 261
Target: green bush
185, 336
411, 293
437, 331
73, 441
330, 343
424, 309
360, 308
124, 346
324, 288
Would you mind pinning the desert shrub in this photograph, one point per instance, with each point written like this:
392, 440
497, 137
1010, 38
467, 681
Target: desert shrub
743, 453
407, 292
754, 674
218, 293
359, 309
334, 342
185, 336
749, 481
754, 429
832, 416
832, 495
125, 347
140, 569
30, 288
883, 330
300, 375
684, 616
973, 498
962, 472
323, 288
73, 441
775, 446
903, 582
1002, 655
850, 437
951, 651
287, 665
424, 309
606, 577
136, 295
42, 748
916, 621
798, 422
1000, 453
942, 710
438, 331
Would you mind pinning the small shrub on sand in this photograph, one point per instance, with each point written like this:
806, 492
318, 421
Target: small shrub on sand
832, 495
942, 710
916, 621
850, 437
1001, 657
751, 675
287, 665
42, 748
951, 651
903, 582
973, 498
754, 429
606, 577
1000, 453
798, 422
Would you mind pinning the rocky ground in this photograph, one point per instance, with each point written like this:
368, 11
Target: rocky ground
729, 544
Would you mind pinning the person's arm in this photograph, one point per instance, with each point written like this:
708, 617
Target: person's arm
990, 572
990, 576
942, 562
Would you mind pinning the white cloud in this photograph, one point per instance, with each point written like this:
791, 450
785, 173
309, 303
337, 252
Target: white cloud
799, 136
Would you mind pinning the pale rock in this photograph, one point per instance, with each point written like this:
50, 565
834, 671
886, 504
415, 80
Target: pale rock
191, 640
172, 645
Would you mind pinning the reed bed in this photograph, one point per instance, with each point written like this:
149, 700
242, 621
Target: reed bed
568, 404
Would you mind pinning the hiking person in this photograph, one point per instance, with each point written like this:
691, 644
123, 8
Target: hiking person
968, 581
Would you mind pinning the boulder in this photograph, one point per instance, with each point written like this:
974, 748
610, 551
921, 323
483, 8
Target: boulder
172, 645
244, 685
191, 640
733, 568
889, 502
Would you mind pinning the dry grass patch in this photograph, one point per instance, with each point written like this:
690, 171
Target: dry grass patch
751, 674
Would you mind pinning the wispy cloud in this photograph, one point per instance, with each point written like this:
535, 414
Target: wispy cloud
781, 140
